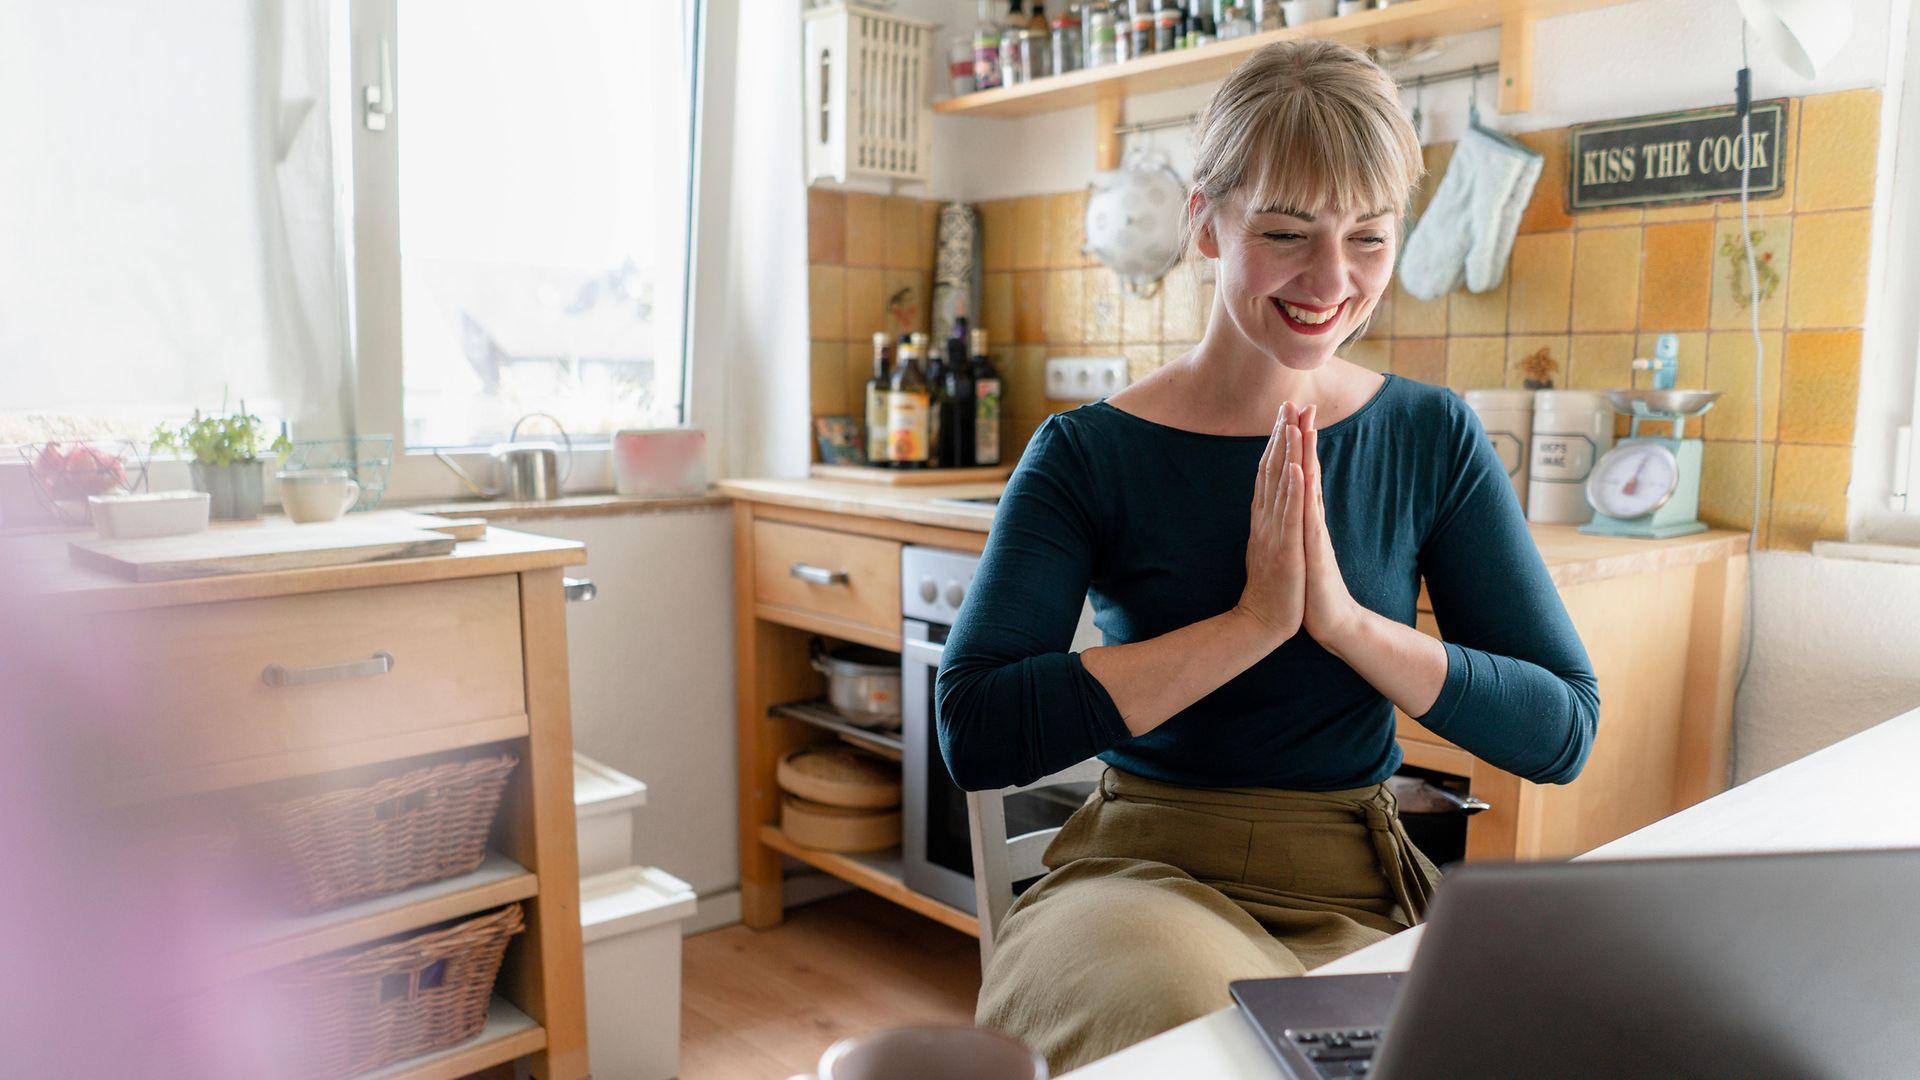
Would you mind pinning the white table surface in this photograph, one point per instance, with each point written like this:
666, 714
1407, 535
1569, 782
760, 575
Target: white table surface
1857, 793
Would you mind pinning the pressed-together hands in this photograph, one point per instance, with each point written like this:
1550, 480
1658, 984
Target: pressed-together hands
1293, 577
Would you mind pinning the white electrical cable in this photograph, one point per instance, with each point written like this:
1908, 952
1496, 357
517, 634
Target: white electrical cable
1753, 312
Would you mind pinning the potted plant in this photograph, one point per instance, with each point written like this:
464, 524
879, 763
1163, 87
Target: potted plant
226, 459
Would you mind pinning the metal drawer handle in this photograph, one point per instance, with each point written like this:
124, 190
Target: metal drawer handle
278, 675
818, 575
580, 590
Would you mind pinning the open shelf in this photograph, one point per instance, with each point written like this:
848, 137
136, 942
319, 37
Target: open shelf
878, 873
271, 942
1408, 20
820, 714
509, 1034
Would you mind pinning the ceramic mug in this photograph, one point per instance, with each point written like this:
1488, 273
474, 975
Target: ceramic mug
934, 1052
1306, 11
309, 495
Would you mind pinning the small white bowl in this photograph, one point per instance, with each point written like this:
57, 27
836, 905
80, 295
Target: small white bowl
162, 513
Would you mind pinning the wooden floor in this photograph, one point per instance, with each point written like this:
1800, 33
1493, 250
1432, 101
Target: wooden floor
766, 1003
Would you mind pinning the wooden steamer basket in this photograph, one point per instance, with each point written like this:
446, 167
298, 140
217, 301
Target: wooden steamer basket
839, 798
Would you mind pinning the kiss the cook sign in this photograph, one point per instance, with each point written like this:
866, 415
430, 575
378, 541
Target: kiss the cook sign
1676, 157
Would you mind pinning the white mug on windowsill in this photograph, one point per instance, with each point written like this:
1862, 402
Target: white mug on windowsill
309, 495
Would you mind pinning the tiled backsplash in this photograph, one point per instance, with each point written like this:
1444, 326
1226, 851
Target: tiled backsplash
1592, 289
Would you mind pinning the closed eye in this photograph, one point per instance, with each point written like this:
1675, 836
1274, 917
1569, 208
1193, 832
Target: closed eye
1282, 235
1372, 241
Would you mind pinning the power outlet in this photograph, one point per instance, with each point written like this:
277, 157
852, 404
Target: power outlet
1085, 378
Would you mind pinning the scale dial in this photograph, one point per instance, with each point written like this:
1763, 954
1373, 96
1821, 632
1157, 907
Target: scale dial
1633, 480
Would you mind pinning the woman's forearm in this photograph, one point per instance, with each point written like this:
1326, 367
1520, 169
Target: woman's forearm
1409, 668
1149, 681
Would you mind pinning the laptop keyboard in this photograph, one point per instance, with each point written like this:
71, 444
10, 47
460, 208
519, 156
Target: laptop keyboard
1337, 1052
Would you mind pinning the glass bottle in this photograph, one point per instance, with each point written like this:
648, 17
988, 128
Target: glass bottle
1166, 28
936, 398
957, 425
1036, 49
877, 400
1013, 28
1067, 48
986, 403
1142, 21
1100, 32
907, 419
986, 49
960, 65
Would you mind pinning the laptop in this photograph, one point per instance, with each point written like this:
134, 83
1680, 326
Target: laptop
1736, 966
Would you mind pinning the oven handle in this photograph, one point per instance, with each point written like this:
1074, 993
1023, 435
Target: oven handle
923, 652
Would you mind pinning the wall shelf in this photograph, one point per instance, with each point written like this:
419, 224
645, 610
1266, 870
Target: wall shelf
1408, 20
509, 1034
878, 873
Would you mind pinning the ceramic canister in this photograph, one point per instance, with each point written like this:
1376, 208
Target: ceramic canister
1571, 429
1508, 417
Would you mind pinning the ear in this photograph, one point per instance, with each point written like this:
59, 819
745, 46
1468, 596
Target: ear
1205, 238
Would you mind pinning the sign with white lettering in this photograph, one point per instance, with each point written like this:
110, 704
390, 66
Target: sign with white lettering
1676, 157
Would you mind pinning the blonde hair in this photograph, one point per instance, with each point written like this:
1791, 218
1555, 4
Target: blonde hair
1307, 125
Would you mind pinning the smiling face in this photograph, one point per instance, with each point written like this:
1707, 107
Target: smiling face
1297, 282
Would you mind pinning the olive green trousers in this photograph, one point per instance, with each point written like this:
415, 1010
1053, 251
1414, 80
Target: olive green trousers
1160, 895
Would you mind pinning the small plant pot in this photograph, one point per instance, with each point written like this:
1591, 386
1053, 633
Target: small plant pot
235, 490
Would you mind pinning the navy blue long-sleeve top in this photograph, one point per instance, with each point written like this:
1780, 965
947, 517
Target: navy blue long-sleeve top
1150, 522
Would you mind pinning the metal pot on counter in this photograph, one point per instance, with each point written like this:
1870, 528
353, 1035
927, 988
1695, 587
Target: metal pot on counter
863, 683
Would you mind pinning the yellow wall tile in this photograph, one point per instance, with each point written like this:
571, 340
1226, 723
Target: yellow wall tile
1472, 313
1773, 247
1606, 279
1541, 296
1827, 283
1029, 306
1436, 157
866, 230
1065, 314
903, 233
1676, 277
827, 303
996, 235
1381, 324
1521, 347
1173, 351
858, 369
1140, 317
1839, 142
1693, 360
1476, 363
1417, 318
1547, 210
1700, 211
1422, 359
866, 304
1026, 377
1607, 219
1103, 307
1183, 312
1066, 225
926, 240
827, 387
996, 309
914, 305
826, 226
1030, 233
1598, 362
1809, 496
1730, 371
1726, 486
1372, 354
1781, 201
1820, 388
1142, 361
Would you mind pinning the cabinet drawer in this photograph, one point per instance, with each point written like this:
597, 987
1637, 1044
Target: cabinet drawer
838, 576
277, 676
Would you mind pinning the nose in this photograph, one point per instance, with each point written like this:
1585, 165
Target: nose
1325, 274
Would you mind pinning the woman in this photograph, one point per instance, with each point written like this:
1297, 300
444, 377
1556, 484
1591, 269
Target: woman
1244, 699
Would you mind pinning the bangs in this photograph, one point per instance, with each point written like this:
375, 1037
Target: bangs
1317, 153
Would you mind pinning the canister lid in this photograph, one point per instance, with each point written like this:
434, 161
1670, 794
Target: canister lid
1572, 400
1500, 399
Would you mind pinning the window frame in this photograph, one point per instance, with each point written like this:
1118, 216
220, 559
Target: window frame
366, 41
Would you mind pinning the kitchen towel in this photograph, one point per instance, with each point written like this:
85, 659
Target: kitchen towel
1469, 226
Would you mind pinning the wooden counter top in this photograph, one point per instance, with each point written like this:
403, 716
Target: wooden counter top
39, 566
1571, 556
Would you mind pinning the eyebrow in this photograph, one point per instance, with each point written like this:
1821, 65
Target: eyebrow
1292, 212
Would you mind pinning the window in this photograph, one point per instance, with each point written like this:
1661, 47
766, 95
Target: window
530, 195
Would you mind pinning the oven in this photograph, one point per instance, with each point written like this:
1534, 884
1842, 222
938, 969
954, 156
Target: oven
936, 842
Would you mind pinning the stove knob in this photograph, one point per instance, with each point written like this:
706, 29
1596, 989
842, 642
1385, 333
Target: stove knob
929, 590
955, 594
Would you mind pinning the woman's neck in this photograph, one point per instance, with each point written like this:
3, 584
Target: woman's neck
1227, 386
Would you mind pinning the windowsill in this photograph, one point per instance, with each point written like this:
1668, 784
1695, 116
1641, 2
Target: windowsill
598, 504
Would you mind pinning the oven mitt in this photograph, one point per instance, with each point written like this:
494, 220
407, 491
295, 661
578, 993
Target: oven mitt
1469, 225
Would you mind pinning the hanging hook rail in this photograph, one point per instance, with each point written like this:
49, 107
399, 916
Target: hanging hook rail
1414, 82
1166, 124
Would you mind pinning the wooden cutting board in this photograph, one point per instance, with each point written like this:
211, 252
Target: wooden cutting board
256, 548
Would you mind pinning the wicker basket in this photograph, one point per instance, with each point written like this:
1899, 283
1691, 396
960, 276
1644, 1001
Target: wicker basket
431, 823
354, 1011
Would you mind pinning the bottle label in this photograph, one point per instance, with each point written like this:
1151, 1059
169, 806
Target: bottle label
986, 421
986, 61
907, 425
876, 423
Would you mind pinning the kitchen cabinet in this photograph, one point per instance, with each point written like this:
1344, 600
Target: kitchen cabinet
477, 652
1661, 620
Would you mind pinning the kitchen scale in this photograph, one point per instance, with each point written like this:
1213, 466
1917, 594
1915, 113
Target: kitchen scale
1649, 485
